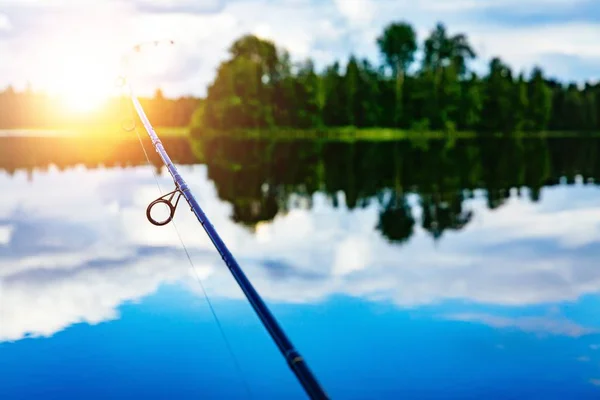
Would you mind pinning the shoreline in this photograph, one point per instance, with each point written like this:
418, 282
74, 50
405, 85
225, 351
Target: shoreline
327, 134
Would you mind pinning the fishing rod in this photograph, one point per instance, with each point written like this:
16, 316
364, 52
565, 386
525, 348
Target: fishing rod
295, 361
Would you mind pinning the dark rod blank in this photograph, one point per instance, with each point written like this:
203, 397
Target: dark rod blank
291, 355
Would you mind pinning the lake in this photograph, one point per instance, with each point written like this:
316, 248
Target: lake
423, 269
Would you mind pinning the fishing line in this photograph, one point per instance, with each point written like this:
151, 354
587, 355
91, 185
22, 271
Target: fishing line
205, 293
236, 362
294, 359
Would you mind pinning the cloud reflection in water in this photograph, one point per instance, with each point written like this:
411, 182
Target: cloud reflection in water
75, 245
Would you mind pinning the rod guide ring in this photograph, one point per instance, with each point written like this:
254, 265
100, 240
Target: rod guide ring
167, 199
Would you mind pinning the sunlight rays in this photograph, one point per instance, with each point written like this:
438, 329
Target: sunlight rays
80, 75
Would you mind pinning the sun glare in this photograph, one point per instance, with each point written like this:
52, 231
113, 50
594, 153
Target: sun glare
82, 74
82, 85
82, 102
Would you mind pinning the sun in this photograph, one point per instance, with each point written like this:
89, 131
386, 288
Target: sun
82, 84
79, 102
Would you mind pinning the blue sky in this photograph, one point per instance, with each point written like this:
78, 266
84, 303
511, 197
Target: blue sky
37, 38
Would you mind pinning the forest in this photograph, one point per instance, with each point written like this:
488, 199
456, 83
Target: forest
417, 87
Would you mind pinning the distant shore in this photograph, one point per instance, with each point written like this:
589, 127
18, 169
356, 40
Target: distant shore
111, 132
342, 134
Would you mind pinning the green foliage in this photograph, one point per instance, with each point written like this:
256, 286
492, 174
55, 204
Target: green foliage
471, 104
520, 105
540, 103
398, 44
308, 109
498, 105
260, 88
335, 94
442, 50
574, 108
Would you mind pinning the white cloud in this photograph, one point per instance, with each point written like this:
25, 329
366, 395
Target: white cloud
578, 227
358, 12
538, 325
327, 30
38, 303
5, 24
351, 255
516, 6
168, 5
5, 234
522, 46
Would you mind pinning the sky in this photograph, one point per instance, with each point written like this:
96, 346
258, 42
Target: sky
67, 45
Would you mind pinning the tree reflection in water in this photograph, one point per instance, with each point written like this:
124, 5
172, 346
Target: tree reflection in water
262, 178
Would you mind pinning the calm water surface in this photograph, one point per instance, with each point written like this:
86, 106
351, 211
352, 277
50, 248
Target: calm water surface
465, 270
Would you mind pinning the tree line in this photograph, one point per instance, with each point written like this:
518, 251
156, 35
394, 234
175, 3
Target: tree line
30, 109
259, 87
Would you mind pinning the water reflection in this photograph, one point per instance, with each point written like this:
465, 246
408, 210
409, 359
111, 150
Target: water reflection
515, 248
262, 179
521, 254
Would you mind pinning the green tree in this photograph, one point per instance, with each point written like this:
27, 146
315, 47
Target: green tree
307, 106
398, 45
334, 110
262, 53
237, 98
520, 105
471, 104
540, 101
424, 101
591, 100
444, 64
442, 50
574, 109
371, 111
449, 96
497, 104
352, 107
243, 93
284, 97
